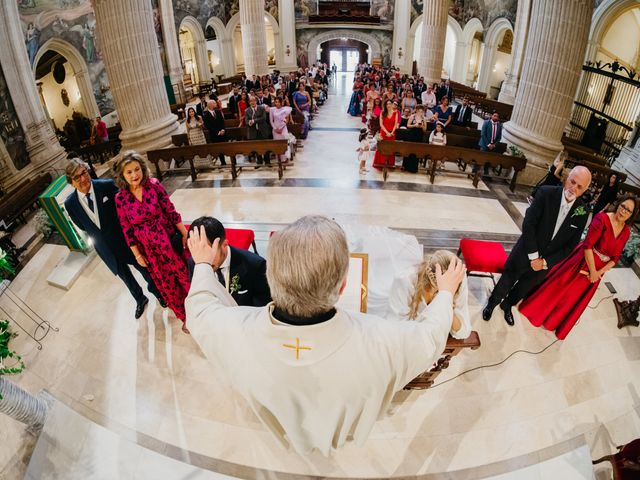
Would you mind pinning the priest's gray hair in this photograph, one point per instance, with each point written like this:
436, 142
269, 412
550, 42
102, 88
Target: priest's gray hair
306, 265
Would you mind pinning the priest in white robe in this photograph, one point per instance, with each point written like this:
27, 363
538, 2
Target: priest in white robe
315, 375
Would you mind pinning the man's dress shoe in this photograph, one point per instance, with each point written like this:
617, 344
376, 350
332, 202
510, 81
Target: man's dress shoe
140, 307
508, 315
487, 312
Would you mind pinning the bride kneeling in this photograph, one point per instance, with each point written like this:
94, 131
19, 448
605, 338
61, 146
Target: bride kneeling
414, 289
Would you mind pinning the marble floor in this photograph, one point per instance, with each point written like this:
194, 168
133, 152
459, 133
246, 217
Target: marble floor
148, 383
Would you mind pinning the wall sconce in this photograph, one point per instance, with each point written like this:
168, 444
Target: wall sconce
400, 53
320, 50
288, 50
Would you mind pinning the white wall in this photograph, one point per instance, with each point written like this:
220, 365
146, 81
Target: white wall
623, 38
501, 63
449, 48
52, 98
216, 56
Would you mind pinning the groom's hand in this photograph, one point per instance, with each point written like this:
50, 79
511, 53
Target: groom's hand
199, 247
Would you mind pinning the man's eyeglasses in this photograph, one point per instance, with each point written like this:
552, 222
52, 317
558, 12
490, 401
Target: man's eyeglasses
77, 177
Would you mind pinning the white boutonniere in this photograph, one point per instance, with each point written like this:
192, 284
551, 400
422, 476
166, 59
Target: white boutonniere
235, 284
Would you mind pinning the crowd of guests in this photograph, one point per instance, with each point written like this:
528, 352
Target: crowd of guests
387, 100
264, 105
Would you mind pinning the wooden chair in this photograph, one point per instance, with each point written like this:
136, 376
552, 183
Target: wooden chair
626, 462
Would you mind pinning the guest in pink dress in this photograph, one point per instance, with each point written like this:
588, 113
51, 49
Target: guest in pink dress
279, 116
148, 220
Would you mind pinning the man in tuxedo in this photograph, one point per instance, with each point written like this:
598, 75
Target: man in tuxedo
92, 208
462, 115
243, 273
253, 83
214, 123
552, 227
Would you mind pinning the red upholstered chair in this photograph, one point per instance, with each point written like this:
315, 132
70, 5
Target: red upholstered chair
482, 258
238, 237
625, 463
241, 238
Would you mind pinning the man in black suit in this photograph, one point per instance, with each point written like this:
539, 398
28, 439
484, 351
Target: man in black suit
252, 84
233, 101
242, 272
201, 107
552, 227
214, 123
92, 208
462, 115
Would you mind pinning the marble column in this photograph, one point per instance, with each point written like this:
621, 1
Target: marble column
510, 85
287, 21
629, 159
254, 37
434, 33
130, 47
171, 46
43, 147
401, 25
550, 76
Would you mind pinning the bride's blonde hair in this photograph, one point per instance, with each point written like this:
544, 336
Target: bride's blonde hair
427, 278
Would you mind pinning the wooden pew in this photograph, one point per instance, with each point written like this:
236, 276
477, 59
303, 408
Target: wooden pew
460, 91
453, 139
469, 132
451, 154
452, 348
580, 152
600, 173
16, 202
230, 149
484, 107
99, 152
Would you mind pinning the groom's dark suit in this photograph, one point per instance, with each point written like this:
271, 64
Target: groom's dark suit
251, 270
108, 239
519, 278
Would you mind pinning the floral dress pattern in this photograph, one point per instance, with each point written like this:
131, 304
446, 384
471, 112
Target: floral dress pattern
149, 224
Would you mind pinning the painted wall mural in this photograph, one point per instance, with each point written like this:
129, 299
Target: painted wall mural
202, 10
11, 132
74, 22
304, 36
382, 8
464, 10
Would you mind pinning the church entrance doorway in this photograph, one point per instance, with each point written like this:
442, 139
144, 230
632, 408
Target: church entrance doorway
345, 53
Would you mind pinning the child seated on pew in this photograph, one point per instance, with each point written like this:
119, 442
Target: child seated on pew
438, 137
366, 150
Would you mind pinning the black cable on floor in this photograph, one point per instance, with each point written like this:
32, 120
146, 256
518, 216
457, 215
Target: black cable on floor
513, 353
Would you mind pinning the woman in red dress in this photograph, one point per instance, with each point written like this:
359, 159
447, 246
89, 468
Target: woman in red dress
568, 288
388, 125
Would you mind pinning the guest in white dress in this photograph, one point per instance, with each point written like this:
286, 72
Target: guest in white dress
314, 374
414, 289
438, 136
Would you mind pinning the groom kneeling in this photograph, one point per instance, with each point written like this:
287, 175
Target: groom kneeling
315, 375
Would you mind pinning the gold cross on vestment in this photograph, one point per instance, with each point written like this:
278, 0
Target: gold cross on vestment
297, 347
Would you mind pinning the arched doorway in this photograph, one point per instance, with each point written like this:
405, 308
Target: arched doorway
373, 55
218, 48
193, 50
454, 33
76, 83
345, 53
472, 40
496, 57
234, 32
607, 13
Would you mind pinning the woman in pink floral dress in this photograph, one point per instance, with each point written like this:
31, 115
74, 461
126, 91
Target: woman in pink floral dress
148, 220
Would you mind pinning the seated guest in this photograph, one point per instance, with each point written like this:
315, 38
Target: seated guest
553, 178
314, 374
241, 272
92, 209
404, 119
153, 230
462, 115
429, 98
443, 112
413, 290
438, 135
417, 125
